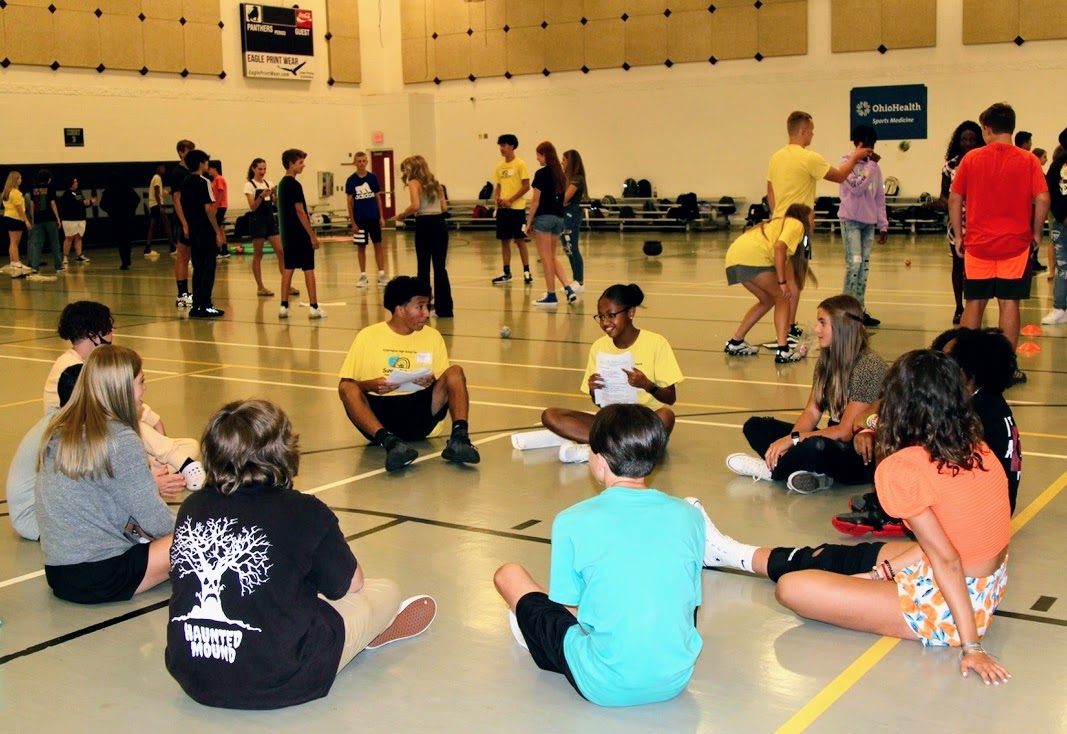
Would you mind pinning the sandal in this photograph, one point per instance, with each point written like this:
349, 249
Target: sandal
265, 292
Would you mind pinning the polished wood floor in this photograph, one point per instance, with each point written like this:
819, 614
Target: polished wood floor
441, 529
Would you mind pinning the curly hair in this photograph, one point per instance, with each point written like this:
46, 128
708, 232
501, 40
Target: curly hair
250, 442
926, 404
835, 365
85, 320
986, 357
955, 149
415, 168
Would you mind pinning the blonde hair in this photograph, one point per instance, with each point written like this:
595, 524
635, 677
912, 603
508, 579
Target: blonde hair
77, 437
14, 178
796, 121
250, 442
415, 168
835, 365
799, 259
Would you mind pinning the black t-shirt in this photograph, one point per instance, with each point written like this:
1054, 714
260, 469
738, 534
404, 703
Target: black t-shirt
291, 193
41, 199
551, 201
72, 206
1002, 436
195, 195
120, 202
247, 629
175, 176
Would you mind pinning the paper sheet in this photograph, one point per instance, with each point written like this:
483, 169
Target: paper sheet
616, 388
405, 379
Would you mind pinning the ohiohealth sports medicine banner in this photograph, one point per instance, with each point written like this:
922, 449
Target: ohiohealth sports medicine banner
277, 42
896, 112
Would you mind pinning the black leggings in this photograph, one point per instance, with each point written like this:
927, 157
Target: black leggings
957, 278
836, 459
843, 559
431, 247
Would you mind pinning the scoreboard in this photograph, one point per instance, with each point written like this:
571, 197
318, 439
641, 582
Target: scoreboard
277, 43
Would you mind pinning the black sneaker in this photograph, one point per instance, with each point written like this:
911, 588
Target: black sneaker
869, 320
957, 316
502, 279
460, 450
1019, 378
205, 313
869, 518
399, 456
527, 277
787, 356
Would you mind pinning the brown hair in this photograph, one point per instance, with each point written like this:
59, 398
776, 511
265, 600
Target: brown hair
795, 121
835, 365
553, 165
291, 156
250, 442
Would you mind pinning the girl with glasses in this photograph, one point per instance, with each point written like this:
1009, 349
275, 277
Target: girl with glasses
655, 374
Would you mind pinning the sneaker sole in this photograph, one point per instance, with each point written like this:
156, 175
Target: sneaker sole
858, 530
807, 483
415, 617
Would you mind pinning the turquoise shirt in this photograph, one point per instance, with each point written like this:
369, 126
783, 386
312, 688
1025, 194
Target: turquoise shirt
630, 560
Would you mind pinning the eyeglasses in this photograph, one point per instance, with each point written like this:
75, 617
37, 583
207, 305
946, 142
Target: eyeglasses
602, 317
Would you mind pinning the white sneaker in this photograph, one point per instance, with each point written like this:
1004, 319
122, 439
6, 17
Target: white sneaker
194, 475
184, 301
383, 279
1055, 316
577, 287
283, 312
415, 616
514, 622
574, 453
748, 465
808, 482
362, 282
720, 550
317, 313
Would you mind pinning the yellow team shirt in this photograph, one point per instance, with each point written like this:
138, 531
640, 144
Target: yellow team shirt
377, 350
756, 246
14, 199
510, 177
793, 172
652, 355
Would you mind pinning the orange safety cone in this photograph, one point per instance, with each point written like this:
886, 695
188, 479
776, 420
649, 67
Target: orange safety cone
1028, 348
1031, 330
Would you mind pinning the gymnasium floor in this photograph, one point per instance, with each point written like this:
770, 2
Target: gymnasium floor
442, 529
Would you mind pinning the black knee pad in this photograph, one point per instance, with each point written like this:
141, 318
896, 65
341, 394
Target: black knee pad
843, 559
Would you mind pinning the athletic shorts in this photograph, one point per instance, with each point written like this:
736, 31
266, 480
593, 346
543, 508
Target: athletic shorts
13, 225
155, 213
98, 582
510, 223
409, 417
73, 227
262, 226
548, 224
299, 255
744, 273
176, 227
544, 624
1005, 278
368, 228
926, 611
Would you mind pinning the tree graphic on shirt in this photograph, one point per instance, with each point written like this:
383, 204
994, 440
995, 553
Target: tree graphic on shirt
211, 550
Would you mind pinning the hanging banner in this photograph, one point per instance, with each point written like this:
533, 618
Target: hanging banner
277, 42
896, 112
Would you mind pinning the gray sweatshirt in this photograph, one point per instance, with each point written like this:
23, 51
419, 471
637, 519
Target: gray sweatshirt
83, 520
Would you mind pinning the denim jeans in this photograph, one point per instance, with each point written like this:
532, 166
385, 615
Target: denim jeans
859, 238
38, 234
572, 229
1059, 245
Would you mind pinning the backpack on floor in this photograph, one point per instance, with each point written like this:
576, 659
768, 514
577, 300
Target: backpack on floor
644, 188
892, 186
727, 206
627, 212
486, 192
479, 212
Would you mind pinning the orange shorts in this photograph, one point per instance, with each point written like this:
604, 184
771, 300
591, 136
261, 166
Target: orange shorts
1009, 268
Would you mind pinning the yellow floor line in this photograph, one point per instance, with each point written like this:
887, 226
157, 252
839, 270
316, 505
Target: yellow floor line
826, 698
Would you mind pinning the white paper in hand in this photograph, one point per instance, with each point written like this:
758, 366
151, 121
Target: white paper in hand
405, 379
616, 388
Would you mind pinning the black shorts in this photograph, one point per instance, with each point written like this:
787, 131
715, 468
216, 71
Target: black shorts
299, 254
99, 582
372, 228
179, 234
262, 226
544, 624
510, 224
408, 417
155, 213
13, 225
1017, 289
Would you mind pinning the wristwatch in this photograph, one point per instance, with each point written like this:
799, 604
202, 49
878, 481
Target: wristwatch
796, 437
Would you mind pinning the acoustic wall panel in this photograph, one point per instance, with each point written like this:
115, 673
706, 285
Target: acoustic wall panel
28, 35
855, 25
413, 17
645, 39
203, 47
882, 25
603, 9
85, 6
128, 8
1042, 19
523, 13
525, 50
689, 36
488, 53
417, 60
199, 11
563, 11
990, 22
783, 29
345, 64
909, 23
164, 45
123, 42
453, 56
735, 32
564, 47
449, 18
162, 9
605, 44
76, 35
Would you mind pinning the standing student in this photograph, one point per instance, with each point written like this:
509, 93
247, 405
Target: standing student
180, 249
792, 175
966, 137
1007, 202
576, 192
120, 202
263, 223
203, 232
298, 238
545, 221
297, 598
511, 181
366, 212
46, 222
16, 222
655, 375
221, 191
1056, 179
618, 617
157, 213
72, 206
771, 262
428, 206
862, 211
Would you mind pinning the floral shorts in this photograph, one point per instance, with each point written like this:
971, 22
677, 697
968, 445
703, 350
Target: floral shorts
926, 611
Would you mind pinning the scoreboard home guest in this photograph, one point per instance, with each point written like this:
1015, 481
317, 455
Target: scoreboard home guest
277, 42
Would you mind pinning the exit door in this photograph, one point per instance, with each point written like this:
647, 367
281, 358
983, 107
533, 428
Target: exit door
381, 165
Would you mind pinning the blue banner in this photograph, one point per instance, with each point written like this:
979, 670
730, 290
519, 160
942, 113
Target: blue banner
895, 112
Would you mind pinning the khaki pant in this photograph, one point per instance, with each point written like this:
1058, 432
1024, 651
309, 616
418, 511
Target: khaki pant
366, 614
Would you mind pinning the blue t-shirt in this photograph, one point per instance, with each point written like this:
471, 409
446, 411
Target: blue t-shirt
630, 560
364, 193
